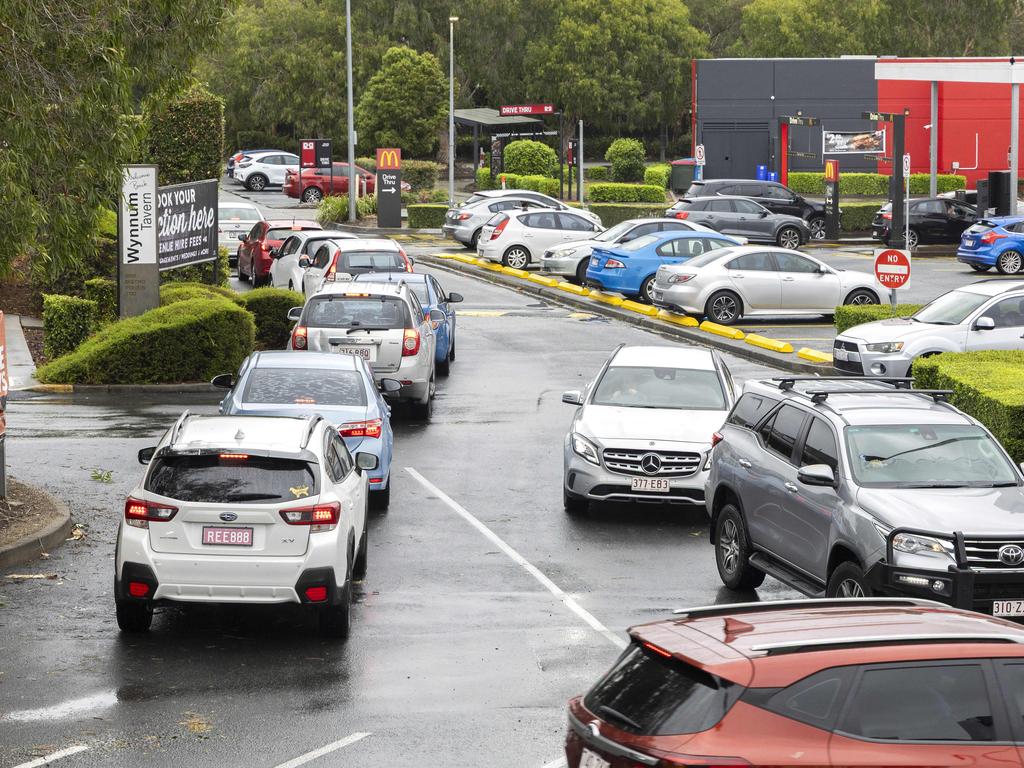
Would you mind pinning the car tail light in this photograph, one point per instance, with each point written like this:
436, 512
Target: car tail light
411, 342
887, 216
614, 264
316, 594
657, 650
499, 229
464, 216
716, 438
238, 156
138, 588
369, 428
990, 237
673, 279
332, 270
405, 258
139, 513
682, 214
299, 337
245, 163
322, 517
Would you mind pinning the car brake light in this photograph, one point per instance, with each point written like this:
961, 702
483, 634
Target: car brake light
405, 258
498, 230
138, 588
299, 337
139, 513
411, 342
679, 278
322, 517
332, 270
887, 216
233, 456
369, 428
716, 438
657, 650
316, 594
682, 215
614, 264
464, 216
990, 237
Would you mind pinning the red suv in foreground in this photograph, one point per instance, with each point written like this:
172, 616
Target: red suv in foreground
254, 258
851, 682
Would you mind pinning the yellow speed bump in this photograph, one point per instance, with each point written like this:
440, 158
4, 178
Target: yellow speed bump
550, 282
636, 306
463, 257
673, 317
814, 356
515, 272
764, 342
722, 330
490, 265
578, 290
607, 298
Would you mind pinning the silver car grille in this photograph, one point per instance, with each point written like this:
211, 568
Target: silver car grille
652, 463
983, 554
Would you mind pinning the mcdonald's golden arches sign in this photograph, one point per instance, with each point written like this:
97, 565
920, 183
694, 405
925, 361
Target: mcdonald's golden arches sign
389, 159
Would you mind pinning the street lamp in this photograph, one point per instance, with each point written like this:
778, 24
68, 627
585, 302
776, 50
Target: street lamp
352, 190
451, 109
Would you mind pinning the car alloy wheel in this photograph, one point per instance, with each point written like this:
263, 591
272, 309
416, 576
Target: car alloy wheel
912, 240
724, 308
729, 544
516, 257
817, 227
850, 588
1009, 263
789, 237
646, 290
861, 297
312, 195
257, 182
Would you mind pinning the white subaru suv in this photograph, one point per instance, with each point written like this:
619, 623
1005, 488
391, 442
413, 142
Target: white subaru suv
244, 509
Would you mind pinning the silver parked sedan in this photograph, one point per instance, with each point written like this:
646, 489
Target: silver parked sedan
741, 216
465, 222
752, 280
643, 429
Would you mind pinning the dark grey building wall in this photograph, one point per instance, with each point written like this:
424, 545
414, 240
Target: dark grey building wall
740, 101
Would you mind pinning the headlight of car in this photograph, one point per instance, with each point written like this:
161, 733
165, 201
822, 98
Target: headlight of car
886, 347
913, 544
565, 252
583, 447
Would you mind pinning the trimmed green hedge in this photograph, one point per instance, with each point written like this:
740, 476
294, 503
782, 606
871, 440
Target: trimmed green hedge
875, 184
527, 157
426, 216
483, 178
850, 315
421, 174
613, 213
172, 293
658, 175
627, 159
334, 208
597, 173
542, 184
625, 193
369, 163
190, 340
857, 216
269, 307
67, 322
104, 293
987, 385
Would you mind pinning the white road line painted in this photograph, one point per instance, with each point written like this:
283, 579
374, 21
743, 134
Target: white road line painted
559, 763
66, 709
588, 618
324, 750
54, 756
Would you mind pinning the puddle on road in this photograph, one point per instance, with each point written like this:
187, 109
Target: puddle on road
66, 710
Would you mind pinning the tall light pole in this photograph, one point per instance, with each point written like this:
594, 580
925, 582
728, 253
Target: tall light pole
352, 190
451, 109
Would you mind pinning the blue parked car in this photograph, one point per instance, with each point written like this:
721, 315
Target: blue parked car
994, 242
431, 296
630, 268
338, 387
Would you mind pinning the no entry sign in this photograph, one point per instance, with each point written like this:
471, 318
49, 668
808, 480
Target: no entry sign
892, 268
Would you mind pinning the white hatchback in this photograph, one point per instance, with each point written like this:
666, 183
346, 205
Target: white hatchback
259, 170
243, 509
517, 238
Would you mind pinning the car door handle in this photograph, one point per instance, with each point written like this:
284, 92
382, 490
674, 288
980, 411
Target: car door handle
791, 487
737, 276
745, 464
787, 279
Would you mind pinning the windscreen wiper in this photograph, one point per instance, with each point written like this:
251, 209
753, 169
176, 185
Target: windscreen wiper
865, 457
616, 715
252, 496
366, 328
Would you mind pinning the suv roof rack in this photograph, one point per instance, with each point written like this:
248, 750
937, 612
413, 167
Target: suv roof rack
706, 611
786, 383
311, 422
821, 395
176, 429
800, 646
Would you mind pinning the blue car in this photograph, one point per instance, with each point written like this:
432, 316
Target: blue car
630, 268
994, 242
431, 296
338, 387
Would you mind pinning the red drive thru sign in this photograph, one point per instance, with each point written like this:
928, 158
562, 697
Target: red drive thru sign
511, 110
307, 154
892, 268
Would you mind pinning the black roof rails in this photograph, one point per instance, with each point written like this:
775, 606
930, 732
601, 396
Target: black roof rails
726, 609
786, 382
821, 395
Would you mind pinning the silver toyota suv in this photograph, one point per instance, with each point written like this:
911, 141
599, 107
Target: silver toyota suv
849, 487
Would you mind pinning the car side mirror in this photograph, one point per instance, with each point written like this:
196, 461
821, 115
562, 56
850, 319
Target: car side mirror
366, 461
411, 259
389, 385
823, 270
455, 298
304, 262
242, 238
816, 474
146, 455
436, 316
573, 397
295, 313
984, 324
762, 214
275, 253
224, 381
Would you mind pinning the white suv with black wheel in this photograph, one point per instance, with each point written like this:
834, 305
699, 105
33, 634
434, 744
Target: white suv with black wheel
243, 509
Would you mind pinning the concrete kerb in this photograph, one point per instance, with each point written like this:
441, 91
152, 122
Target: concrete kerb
123, 388
664, 326
28, 548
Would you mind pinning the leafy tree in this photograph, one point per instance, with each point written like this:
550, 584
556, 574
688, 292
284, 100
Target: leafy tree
405, 103
719, 20
945, 27
805, 28
186, 136
627, 159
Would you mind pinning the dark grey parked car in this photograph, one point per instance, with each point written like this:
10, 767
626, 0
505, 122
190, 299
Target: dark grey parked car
774, 196
852, 487
743, 217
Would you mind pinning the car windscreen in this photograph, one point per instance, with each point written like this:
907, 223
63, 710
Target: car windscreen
213, 479
341, 311
304, 386
234, 213
707, 258
612, 234
927, 456
651, 387
695, 190
951, 308
640, 243
357, 262
648, 694
420, 291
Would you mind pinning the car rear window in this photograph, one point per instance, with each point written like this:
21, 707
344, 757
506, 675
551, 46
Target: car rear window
306, 386
981, 226
231, 213
696, 189
648, 694
281, 233
341, 311
750, 409
213, 479
357, 262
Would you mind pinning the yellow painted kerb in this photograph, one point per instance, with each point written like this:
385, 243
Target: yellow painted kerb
814, 356
722, 330
773, 345
673, 317
636, 306
607, 298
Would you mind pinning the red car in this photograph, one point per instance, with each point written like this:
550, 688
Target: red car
873, 681
254, 257
316, 182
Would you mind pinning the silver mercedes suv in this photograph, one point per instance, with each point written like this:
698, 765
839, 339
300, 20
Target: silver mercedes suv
848, 487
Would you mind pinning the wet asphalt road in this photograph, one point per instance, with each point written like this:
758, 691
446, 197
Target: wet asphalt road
458, 657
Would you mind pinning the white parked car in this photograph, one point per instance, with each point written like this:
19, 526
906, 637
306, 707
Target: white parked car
540, 198
234, 219
385, 324
984, 315
285, 271
519, 238
243, 509
757, 280
340, 260
571, 259
259, 170
643, 430
464, 223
